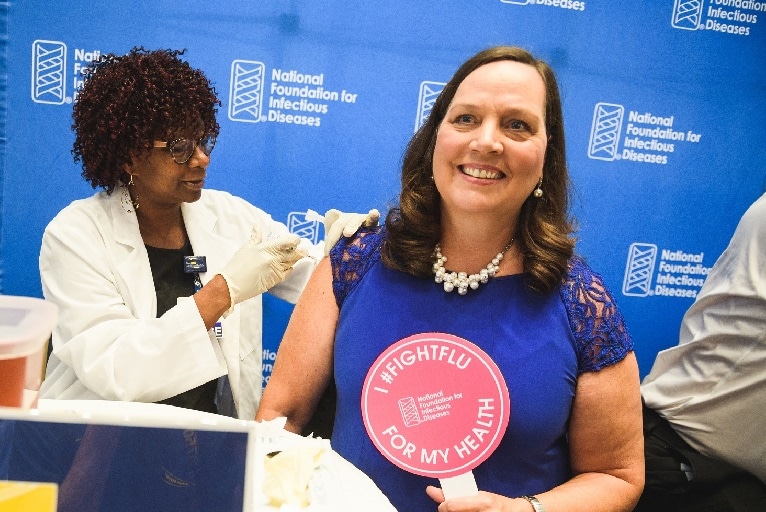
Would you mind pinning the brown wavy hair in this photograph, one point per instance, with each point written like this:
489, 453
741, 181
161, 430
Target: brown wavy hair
544, 227
129, 101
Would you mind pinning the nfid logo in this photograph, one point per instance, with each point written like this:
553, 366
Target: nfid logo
49, 71
639, 270
635, 136
246, 91
605, 131
736, 17
258, 95
650, 271
305, 225
429, 91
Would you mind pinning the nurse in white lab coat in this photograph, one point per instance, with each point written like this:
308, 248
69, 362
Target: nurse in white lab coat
132, 325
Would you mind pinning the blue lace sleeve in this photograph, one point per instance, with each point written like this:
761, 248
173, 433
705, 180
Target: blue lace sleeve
352, 257
598, 326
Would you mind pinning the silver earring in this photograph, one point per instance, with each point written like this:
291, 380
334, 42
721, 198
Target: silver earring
127, 202
538, 193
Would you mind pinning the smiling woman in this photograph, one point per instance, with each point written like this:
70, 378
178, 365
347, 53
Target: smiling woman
483, 180
490, 150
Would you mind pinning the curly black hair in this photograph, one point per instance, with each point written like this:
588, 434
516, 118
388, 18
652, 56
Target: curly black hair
129, 101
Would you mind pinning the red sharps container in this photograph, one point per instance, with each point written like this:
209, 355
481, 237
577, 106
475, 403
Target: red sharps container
25, 329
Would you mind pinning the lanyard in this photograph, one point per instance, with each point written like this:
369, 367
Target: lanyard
195, 265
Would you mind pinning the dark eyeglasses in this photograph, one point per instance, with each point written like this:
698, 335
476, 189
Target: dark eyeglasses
182, 149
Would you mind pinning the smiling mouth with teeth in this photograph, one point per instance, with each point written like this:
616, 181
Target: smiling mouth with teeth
480, 173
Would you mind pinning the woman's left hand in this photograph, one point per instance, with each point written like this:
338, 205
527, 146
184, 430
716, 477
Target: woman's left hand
482, 502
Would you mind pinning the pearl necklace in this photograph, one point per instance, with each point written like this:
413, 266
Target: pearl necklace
462, 280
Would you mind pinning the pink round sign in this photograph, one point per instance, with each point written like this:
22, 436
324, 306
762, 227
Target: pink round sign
435, 405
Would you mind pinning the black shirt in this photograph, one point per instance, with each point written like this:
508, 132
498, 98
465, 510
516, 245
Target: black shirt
170, 283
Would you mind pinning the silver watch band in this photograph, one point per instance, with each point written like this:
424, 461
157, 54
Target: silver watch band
535, 503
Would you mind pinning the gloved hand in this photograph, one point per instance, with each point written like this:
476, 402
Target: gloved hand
259, 265
337, 223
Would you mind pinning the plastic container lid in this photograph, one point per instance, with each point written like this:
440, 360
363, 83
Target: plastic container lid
25, 322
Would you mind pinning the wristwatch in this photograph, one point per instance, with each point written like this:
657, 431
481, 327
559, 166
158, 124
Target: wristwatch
535, 503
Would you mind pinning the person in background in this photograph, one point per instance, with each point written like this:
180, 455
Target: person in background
705, 398
157, 279
485, 191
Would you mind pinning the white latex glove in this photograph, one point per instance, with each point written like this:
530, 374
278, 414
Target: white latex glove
259, 265
337, 223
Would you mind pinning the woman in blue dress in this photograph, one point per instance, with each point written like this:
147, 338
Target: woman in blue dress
480, 247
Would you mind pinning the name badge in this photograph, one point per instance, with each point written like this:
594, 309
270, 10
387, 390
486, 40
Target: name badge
194, 264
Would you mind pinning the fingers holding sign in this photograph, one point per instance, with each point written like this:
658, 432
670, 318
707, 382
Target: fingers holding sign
482, 502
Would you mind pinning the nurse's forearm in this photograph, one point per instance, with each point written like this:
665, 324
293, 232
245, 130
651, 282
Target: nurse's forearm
213, 300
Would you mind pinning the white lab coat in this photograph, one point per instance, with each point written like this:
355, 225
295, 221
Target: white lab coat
108, 343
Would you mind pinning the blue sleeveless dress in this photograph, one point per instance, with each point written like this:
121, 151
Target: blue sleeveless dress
540, 343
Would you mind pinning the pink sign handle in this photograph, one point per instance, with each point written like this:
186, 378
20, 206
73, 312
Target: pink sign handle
435, 404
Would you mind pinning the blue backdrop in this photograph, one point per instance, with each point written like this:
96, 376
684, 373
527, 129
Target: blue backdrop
664, 105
